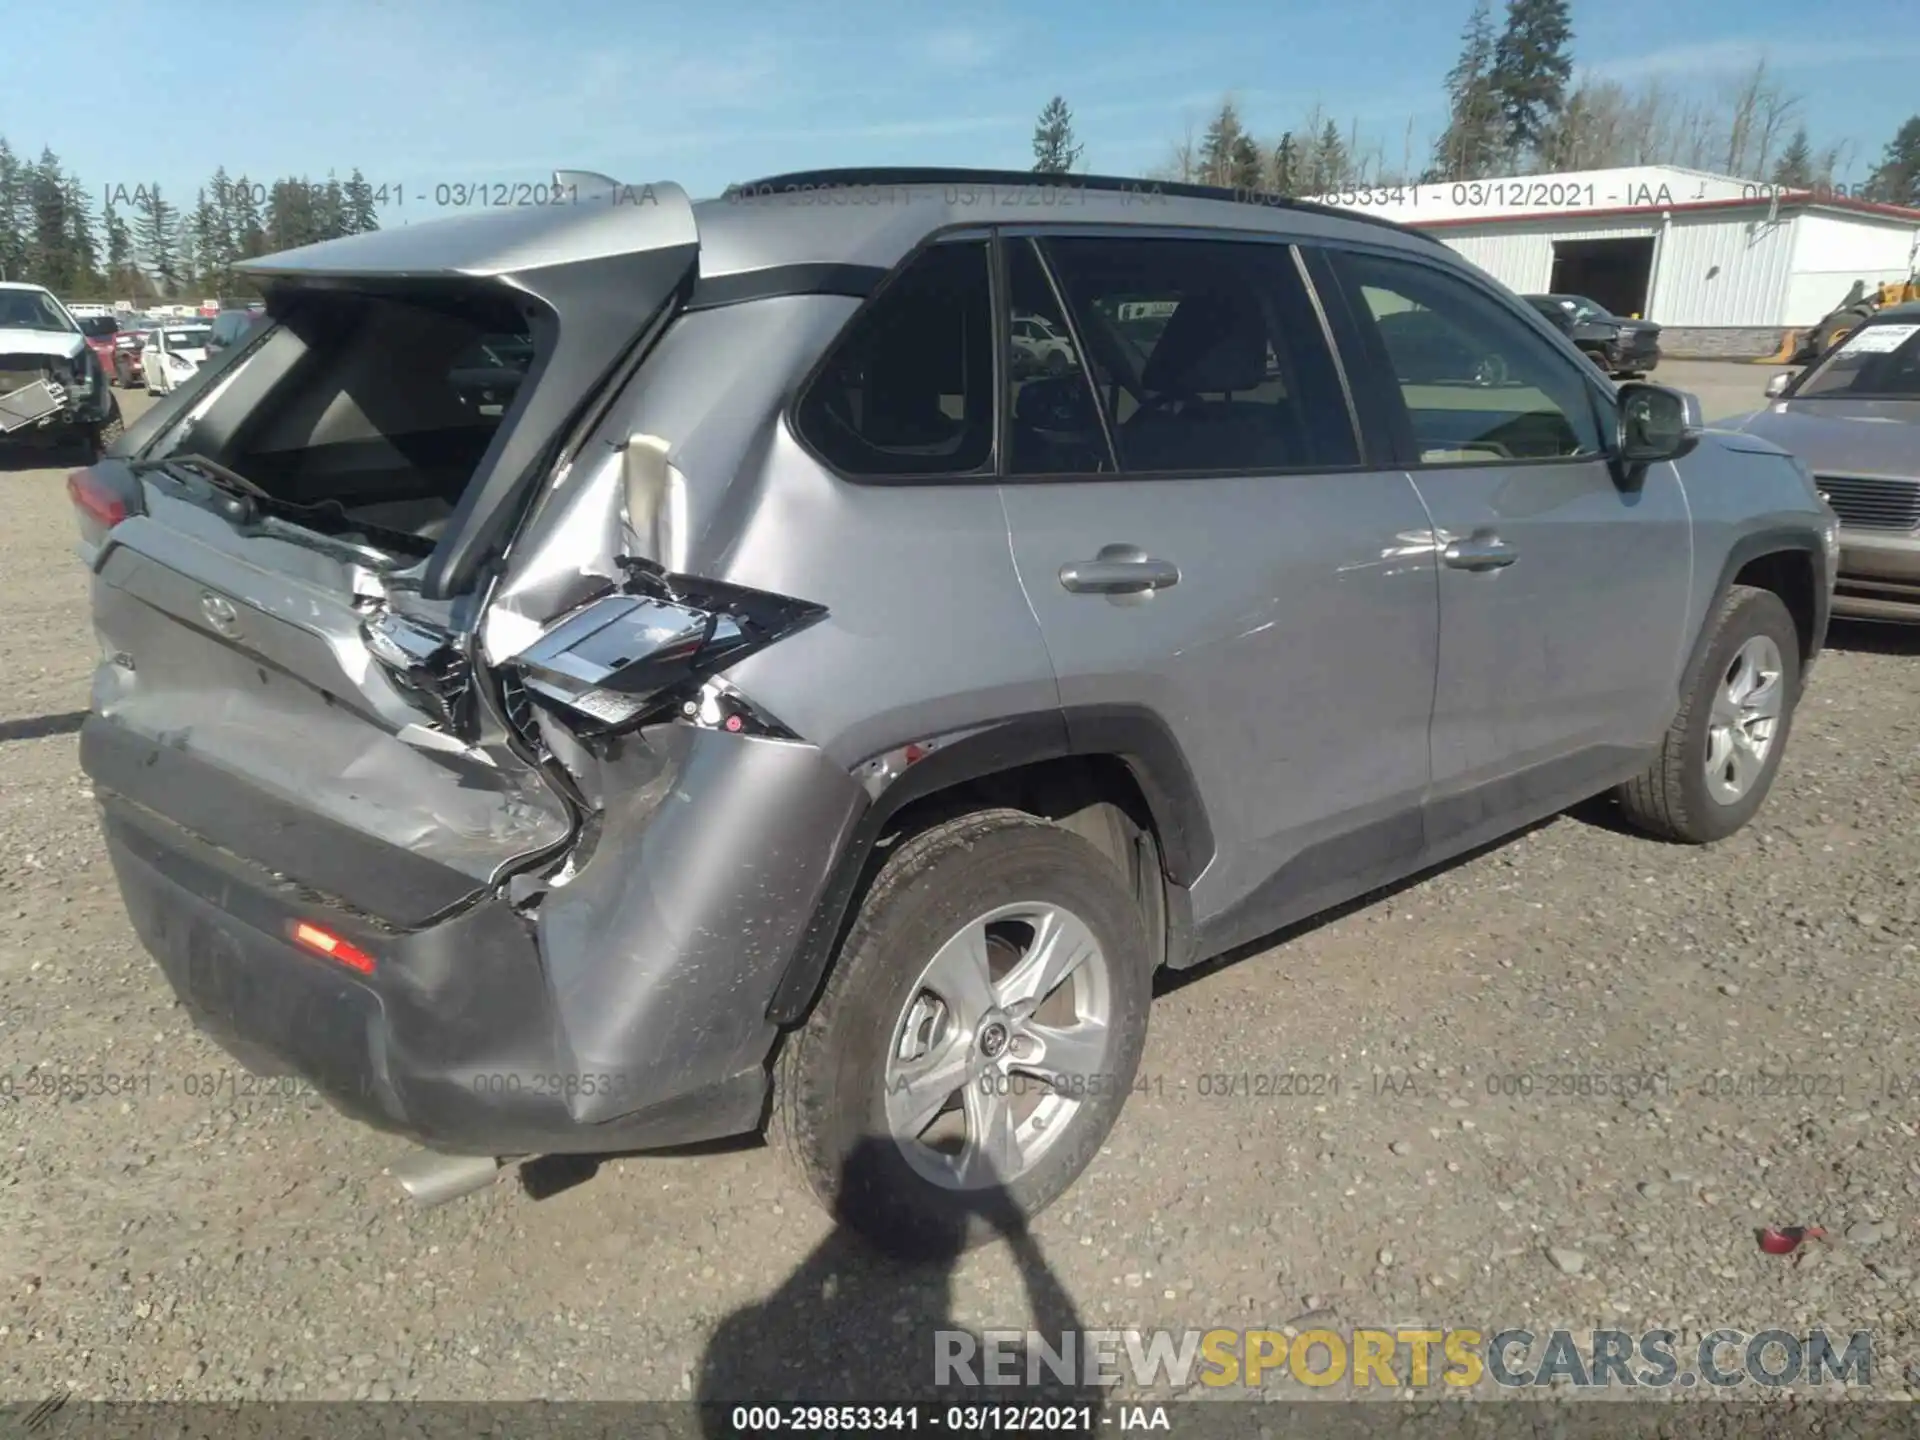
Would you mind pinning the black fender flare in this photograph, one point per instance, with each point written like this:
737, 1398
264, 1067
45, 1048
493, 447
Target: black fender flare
1134, 735
1774, 540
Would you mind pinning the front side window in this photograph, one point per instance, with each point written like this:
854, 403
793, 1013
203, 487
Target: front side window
1208, 354
908, 388
1478, 385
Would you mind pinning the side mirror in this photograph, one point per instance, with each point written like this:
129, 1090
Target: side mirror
1777, 386
1656, 424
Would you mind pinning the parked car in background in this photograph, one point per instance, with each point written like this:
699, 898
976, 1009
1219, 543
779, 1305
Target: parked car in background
1619, 346
1038, 347
53, 391
229, 326
1854, 418
128, 345
770, 716
172, 353
103, 336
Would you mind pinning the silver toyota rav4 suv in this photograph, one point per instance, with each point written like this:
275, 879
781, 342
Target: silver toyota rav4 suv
598, 677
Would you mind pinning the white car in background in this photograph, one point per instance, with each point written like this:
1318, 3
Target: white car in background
172, 354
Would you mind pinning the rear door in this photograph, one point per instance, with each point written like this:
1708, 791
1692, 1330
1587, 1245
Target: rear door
1204, 541
1563, 594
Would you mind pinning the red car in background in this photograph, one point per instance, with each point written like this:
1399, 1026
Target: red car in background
101, 331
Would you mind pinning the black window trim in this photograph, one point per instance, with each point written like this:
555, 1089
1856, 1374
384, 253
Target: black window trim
994, 471
1378, 368
1004, 395
988, 473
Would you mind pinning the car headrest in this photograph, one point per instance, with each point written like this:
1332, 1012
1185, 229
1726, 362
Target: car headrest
1213, 342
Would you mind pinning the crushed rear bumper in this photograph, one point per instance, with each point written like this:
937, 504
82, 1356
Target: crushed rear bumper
453, 1042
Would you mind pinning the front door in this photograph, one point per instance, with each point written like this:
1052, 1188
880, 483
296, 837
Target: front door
1198, 535
1563, 594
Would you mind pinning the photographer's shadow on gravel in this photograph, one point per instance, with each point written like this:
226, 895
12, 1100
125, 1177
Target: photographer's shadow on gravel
856, 1326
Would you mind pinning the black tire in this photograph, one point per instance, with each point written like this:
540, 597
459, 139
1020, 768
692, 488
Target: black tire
94, 440
1057, 362
828, 1119
1670, 798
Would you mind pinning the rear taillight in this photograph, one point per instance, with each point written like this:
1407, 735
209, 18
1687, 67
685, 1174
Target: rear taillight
96, 500
622, 659
319, 940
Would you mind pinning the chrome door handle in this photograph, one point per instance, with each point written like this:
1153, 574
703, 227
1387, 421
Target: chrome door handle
1119, 570
1485, 553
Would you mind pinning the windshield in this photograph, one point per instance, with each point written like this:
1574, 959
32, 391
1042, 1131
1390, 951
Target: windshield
1585, 312
32, 310
100, 327
187, 339
1877, 362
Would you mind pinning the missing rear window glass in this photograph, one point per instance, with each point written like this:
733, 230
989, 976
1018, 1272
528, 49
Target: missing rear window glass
382, 407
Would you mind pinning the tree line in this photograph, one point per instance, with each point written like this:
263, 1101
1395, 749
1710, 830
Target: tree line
1517, 106
135, 242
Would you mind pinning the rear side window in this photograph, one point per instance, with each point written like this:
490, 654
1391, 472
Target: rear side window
1480, 387
908, 389
1209, 354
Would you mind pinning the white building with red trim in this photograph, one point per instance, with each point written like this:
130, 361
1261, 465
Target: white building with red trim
1725, 265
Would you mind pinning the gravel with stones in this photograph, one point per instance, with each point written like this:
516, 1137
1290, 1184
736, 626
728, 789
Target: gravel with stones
1562, 1083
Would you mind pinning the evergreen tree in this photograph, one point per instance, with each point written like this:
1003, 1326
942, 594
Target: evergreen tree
50, 255
1284, 176
212, 258
244, 223
120, 266
361, 214
1220, 147
13, 214
1247, 165
1332, 167
1794, 169
1055, 151
1531, 66
155, 238
329, 209
291, 219
1896, 181
1471, 146
80, 238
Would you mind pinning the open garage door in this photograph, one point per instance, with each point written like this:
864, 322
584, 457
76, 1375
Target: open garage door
1616, 273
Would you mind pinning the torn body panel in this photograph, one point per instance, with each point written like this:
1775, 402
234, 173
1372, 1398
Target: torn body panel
663, 951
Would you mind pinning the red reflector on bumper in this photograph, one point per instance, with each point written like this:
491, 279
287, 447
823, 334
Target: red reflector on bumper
331, 947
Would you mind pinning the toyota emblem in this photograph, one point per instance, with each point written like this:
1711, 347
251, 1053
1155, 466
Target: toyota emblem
220, 614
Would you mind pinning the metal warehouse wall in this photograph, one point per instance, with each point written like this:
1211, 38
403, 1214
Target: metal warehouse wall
1830, 252
1522, 259
1721, 270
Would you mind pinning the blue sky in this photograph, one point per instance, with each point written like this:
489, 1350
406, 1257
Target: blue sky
421, 93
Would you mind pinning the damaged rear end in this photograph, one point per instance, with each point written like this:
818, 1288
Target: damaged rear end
391, 793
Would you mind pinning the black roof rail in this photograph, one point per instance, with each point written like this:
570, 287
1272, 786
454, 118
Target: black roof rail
884, 175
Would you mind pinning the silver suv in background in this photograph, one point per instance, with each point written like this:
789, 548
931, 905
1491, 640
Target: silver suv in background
783, 706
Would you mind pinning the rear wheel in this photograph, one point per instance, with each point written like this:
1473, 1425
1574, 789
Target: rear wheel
1723, 749
976, 1040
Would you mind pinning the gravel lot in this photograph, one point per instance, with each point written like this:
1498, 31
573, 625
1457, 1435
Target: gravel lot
192, 1240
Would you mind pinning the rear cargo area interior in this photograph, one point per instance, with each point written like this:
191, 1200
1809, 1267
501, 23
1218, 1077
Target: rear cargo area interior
391, 407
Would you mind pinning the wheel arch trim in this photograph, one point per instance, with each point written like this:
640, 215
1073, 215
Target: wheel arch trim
1133, 735
1774, 540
